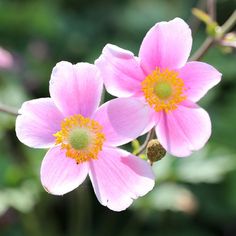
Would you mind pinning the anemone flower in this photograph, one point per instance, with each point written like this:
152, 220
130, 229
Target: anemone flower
82, 137
162, 79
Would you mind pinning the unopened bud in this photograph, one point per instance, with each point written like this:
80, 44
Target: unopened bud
155, 151
229, 40
214, 30
212, 27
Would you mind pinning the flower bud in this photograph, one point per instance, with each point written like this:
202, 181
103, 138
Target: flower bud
155, 151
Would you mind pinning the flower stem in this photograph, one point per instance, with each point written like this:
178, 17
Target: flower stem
210, 40
229, 23
149, 137
211, 6
203, 49
8, 110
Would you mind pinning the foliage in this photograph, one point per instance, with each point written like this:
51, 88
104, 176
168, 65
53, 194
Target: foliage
193, 196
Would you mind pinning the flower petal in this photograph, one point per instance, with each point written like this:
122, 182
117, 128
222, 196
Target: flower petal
39, 119
76, 89
61, 174
184, 130
152, 115
118, 178
123, 119
198, 78
166, 45
120, 70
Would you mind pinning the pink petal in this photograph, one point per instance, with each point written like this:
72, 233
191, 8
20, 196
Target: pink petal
152, 120
166, 45
61, 174
118, 178
123, 119
198, 78
184, 130
39, 119
120, 70
76, 89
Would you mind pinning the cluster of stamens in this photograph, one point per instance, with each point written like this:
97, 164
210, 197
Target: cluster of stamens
81, 137
163, 89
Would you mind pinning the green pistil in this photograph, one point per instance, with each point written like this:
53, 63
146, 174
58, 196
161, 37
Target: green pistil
79, 138
163, 90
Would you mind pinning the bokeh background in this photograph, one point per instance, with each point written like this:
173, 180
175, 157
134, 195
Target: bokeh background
192, 196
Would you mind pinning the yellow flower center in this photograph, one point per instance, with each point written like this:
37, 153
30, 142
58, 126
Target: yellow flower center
81, 137
163, 90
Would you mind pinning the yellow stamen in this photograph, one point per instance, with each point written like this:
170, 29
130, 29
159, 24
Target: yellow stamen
73, 130
163, 90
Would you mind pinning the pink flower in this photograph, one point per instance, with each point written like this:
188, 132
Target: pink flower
166, 83
82, 137
6, 60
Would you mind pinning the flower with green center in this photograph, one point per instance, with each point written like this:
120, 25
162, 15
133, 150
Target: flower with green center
83, 137
166, 83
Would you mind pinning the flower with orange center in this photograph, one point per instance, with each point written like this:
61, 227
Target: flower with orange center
163, 90
167, 84
81, 137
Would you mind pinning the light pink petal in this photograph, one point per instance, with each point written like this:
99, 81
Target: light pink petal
123, 119
198, 78
39, 119
184, 130
120, 70
166, 45
152, 120
118, 178
61, 174
76, 89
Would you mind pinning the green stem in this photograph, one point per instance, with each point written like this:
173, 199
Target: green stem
211, 5
210, 40
229, 23
203, 49
149, 137
8, 110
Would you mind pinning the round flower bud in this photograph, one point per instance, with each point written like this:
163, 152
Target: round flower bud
155, 151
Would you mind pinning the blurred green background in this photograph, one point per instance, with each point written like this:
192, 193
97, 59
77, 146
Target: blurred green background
192, 196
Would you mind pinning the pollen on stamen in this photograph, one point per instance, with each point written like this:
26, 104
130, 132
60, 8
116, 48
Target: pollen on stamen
163, 90
71, 126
